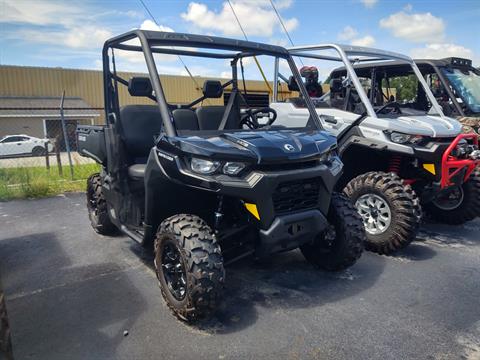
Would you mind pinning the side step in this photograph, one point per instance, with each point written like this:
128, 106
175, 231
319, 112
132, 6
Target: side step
135, 235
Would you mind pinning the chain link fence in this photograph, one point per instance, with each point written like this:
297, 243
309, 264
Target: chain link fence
38, 156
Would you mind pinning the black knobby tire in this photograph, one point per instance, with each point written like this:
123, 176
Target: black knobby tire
97, 207
404, 207
467, 210
342, 244
39, 151
201, 260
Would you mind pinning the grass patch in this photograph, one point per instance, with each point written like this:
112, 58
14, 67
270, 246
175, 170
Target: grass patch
35, 182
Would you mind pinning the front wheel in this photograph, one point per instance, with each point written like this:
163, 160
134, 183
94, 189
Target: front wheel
390, 210
189, 266
341, 245
459, 204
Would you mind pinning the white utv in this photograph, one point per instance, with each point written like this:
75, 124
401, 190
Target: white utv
397, 156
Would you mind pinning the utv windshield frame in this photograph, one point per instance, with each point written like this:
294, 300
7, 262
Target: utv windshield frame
158, 42
437, 65
432, 66
350, 55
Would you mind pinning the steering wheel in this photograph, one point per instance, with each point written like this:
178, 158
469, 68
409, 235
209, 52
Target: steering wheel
250, 118
393, 107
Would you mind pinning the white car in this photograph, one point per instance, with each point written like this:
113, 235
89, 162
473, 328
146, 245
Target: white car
12, 145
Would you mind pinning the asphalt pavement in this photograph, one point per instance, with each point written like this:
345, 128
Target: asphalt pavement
73, 294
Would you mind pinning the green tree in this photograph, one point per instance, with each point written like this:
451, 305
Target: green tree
405, 86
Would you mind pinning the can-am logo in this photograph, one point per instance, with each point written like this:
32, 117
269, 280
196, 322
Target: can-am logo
288, 147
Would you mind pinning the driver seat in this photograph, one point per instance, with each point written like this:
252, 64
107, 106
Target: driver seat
138, 126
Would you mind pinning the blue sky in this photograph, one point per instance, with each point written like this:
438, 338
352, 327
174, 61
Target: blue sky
70, 34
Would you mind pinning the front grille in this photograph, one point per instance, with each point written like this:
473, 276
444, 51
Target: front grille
287, 166
296, 195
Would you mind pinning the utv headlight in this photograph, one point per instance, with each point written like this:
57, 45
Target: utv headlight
233, 168
328, 156
400, 138
205, 167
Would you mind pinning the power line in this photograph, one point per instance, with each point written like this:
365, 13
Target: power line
238, 21
179, 57
283, 26
246, 38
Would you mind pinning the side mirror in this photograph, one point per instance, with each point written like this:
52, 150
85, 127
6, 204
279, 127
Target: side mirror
140, 86
292, 84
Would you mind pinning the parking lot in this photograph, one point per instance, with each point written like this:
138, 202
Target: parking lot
71, 293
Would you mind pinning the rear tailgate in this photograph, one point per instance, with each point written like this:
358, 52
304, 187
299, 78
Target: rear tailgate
91, 142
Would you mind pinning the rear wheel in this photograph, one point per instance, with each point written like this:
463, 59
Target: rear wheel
189, 266
341, 245
390, 210
38, 151
459, 204
97, 207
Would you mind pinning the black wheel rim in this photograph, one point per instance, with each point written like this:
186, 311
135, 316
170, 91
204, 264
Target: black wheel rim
174, 271
92, 204
450, 200
327, 239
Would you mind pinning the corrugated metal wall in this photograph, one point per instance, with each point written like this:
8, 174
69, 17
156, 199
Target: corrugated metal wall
88, 84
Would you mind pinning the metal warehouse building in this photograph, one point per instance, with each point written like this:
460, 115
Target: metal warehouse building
30, 97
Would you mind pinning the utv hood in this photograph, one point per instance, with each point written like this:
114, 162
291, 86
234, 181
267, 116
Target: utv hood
426, 125
260, 146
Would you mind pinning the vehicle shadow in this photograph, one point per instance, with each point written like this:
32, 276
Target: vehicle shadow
444, 235
286, 282
416, 251
60, 310
282, 282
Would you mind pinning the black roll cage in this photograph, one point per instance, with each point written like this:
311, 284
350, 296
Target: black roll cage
151, 42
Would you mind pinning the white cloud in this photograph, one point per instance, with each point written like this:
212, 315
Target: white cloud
369, 3
441, 50
367, 41
423, 27
257, 18
279, 4
87, 37
279, 41
138, 58
54, 23
351, 34
98, 64
348, 33
226, 74
150, 25
39, 12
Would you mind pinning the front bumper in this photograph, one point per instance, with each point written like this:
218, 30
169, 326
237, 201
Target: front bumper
454, 169
288, 232
442, 167
258, 187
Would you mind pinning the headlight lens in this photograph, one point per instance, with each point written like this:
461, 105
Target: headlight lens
233, 168
202, 166
328, 156
400, 138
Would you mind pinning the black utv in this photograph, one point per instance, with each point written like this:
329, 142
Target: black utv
206, 185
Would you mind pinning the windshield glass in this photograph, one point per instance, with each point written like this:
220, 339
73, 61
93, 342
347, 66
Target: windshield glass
466, 84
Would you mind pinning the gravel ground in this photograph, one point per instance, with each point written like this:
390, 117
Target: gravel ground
72, 294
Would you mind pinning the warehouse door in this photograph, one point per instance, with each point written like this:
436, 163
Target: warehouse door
53, 129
